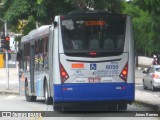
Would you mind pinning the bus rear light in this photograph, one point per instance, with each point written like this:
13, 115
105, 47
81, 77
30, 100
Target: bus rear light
124, 73
64, 75
93, 53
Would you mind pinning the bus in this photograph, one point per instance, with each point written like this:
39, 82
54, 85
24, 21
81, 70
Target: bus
83, 61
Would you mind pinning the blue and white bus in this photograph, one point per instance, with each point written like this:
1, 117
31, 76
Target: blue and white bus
85, 60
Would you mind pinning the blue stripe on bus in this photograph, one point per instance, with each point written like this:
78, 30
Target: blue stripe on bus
94, 92
39, 86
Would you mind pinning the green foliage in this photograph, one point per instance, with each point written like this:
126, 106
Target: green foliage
152, 6
146, 27
15, 9
44, 11
30, 25
18, 38
110, 5
146, 16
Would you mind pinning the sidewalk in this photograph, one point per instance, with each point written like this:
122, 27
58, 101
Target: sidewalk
13, 81
147, 99
141, 97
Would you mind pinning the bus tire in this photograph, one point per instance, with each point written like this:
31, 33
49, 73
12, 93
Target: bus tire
122, 106
47, 98
28, 97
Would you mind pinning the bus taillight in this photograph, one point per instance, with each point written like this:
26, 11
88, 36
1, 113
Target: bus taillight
93, 53
64, 75
124, 72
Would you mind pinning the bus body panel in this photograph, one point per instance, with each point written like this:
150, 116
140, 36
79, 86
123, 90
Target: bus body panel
77, 87
85, 74
94, 92
130, 46
80, 70
56, 48
39, 75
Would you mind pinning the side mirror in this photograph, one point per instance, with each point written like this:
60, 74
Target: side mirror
55, 24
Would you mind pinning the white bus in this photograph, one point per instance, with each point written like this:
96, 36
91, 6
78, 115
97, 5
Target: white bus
84, 61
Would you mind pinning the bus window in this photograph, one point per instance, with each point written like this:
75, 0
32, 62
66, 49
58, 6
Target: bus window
40, 56
27, 56
120, 42
66, 37
45, 48
45, 56
97, 32
108, 44
36, 55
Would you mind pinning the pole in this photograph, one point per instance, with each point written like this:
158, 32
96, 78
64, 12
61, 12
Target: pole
5, 28
7, 68
7, 71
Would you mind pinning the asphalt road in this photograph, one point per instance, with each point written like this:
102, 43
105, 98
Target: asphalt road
19, 104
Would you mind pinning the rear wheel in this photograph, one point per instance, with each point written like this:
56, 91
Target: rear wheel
28, 97
48, 99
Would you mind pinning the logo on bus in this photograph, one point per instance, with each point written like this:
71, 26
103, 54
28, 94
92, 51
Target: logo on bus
93, 66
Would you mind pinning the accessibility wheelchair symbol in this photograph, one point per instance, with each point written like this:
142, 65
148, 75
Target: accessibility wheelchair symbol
93, 66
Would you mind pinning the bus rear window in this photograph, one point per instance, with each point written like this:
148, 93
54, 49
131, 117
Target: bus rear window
93, 32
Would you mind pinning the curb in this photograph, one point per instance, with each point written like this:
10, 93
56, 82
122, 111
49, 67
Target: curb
147, 104
7, 92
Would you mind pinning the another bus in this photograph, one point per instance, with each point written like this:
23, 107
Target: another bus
84, 61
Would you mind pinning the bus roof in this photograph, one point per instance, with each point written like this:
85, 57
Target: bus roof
41, 31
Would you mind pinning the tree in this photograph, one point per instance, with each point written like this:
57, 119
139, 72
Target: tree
110, 5
146, 27
152, 6
43, 11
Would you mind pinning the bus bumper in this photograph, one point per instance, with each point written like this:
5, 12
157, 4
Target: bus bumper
75, 94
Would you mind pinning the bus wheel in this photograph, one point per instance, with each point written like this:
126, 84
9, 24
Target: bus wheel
48, 100
122, 106
28, 97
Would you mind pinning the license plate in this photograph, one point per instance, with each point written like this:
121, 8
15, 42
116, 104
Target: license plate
94, 80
